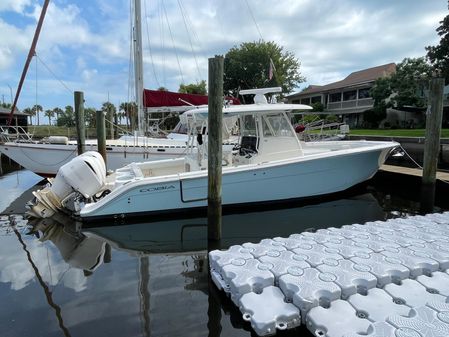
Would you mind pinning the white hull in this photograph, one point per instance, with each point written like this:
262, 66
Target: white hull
299, 177
46, 159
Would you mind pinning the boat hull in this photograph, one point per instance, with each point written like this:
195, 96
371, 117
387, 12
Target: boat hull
290, 179
46, 159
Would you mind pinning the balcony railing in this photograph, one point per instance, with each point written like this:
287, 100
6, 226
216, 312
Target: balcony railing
364, 102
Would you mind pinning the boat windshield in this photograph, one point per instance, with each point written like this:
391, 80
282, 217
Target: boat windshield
276, 125
181, 128
248, 125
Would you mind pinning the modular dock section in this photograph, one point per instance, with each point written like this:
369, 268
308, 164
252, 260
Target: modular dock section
380, 279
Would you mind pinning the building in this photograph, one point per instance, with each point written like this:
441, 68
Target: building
349, 97
19, 118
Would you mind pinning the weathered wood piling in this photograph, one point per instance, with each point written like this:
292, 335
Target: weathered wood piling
101, 134
79, 122
432, 143
214, 138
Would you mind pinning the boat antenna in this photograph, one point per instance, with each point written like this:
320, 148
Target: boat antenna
31, 53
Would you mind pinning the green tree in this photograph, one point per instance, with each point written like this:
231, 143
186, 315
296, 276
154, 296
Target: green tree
90, 115
251, 64
438, 55
110, 110
409, 82
199, 88
37, 109
30, 112
49, 113
130, 111
162, 89
67, 117
406, 87
380, 92
57, 111
317, 106
6, 105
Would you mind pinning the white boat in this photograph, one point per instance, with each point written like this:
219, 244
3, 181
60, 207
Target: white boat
47, 156
269, 164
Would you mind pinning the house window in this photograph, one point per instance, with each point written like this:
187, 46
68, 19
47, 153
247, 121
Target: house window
364, 93
335, 97
295, 101
305, 100
349, 95
316, 99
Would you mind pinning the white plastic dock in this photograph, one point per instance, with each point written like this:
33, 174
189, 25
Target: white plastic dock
380, 279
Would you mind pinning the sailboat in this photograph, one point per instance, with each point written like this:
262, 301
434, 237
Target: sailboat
47, 156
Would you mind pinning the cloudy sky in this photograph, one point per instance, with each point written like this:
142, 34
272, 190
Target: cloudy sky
85, 44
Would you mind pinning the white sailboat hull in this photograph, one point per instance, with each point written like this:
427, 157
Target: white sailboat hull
299, 177
46, 159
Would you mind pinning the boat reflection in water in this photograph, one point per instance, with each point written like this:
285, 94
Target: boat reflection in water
160, 268
191, 234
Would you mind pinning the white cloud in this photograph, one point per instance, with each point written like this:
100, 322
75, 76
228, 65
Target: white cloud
14, 5
87, 44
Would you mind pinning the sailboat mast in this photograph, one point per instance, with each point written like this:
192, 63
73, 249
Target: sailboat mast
138, 66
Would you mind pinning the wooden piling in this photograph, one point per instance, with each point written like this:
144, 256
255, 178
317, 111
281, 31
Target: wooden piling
101, 134
432, 142
79, 121
111, 122
214, 139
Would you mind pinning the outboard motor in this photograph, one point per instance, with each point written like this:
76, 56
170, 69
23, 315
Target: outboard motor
83, 176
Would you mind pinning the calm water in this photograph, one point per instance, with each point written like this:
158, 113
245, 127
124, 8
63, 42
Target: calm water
58, 279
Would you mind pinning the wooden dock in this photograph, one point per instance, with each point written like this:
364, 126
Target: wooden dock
444, 176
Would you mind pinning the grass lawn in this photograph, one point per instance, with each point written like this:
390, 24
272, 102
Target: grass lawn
395, 132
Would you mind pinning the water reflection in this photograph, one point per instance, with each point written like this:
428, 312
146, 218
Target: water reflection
143, 279
191, 234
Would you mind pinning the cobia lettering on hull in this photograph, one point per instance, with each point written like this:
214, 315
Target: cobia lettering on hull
155, 189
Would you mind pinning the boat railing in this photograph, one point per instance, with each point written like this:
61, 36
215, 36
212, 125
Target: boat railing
322, 130
11, 133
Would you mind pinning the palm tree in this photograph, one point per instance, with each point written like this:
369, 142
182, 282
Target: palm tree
124, 113
57, 111
37, 108
30, 112
49, 113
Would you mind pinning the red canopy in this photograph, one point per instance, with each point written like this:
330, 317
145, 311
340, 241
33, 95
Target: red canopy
157, 98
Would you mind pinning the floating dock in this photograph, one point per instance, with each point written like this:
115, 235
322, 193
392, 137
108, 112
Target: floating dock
380, 279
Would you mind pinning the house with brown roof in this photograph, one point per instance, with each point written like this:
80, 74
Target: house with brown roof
19, 118
349, 97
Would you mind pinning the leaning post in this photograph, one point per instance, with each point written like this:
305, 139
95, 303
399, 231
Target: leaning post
432, 143
101, 134
79, 121
215, 105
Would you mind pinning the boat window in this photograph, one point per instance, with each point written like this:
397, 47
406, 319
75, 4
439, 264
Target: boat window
276, 125
180, 128
248, 125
